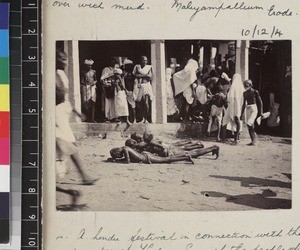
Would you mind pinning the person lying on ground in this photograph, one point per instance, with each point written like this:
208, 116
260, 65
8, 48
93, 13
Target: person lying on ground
172, 150
149, 138
129, 155
137, 137
153, 145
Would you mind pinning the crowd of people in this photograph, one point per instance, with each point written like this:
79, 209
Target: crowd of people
210, 96
206, 95
125, 89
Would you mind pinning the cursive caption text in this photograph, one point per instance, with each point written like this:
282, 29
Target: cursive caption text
146, 240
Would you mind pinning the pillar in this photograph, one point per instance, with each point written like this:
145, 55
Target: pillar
159, 104
72, 70
242, 59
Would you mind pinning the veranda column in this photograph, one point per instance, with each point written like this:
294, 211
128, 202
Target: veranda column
238, 57
72, 50
242, 59
159, 105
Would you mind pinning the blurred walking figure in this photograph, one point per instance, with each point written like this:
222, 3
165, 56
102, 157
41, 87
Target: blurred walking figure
65, 139
253, 104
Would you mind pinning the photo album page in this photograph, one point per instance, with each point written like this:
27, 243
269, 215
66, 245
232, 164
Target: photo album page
171, 125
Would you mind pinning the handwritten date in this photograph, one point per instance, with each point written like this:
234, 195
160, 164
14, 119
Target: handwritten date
262, 32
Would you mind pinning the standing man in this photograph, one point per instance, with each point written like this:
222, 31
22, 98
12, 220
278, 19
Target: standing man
143, 92
253, 104
88, 90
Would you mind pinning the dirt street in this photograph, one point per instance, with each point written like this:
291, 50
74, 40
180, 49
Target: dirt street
243, 178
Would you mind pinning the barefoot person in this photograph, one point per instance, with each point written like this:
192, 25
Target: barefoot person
216, 112
233, 112
88, 90
129, 84
170, 150
183, 83
129, 155
253, 104
121, 107
107, 80
73, 193
65, 140
143, 92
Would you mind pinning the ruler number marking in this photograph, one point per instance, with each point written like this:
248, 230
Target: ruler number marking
32, 217
32, 164
31, 190
31, 31
31, 243
32, 111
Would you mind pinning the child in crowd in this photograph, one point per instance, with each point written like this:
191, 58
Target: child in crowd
218, 102
121, 107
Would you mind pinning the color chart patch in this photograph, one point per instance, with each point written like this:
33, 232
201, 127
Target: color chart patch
4, 124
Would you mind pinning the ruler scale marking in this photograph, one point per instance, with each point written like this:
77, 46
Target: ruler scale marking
31, 160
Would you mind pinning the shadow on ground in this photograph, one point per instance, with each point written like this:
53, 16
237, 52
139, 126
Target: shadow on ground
254, 181
72, 207
262, 201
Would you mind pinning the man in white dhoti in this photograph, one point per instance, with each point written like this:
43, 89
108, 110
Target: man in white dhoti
142, 91
235, 101
253, 104
183, 81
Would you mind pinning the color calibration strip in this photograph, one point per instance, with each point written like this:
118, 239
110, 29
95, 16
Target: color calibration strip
4, 124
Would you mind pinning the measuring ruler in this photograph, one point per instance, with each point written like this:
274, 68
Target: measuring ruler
31, 124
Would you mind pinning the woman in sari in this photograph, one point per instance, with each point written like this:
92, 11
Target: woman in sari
234, 101
88, 90
171, 106
107, 79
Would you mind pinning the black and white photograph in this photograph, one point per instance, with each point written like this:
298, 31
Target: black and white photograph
173, 125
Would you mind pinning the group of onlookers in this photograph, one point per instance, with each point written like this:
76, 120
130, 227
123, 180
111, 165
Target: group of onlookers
123, 89
211, 96
208, 95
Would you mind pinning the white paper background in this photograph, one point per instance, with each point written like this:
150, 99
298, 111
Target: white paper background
161, 22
